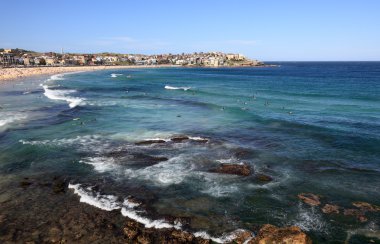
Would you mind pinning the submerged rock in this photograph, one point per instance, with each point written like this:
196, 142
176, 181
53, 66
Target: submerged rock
310, 199
272, 234
359, 214
179, 139
233, 169
25, 183
264, 178
149, 142
329, 208
366, 207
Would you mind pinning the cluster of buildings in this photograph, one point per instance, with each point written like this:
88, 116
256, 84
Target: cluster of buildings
19, 57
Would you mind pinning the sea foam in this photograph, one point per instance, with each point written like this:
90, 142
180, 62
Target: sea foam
9, 118
177, 88
130, 209
57, 94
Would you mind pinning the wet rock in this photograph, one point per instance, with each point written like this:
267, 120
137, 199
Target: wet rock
131, 229
233, 169
25, 183
359, 214
366, 207
54, 235
117, 154
149, 142
310, 199
142, 239
200, 140
264, 178
182, 236
243, 236
179, 139
329, 208
59, 186
144, 157
272, 234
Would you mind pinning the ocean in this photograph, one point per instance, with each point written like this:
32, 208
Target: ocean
309, 127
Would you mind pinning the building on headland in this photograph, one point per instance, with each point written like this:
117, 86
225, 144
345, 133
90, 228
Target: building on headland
14, 57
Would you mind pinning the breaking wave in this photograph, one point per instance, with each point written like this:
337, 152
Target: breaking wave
131, 210
177, 88
57, 94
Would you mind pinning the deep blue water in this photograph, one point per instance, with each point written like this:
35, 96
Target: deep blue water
312, 126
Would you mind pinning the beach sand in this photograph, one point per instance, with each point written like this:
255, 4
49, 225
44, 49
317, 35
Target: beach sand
15, 73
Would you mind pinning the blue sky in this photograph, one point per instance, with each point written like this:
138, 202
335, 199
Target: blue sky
267, 30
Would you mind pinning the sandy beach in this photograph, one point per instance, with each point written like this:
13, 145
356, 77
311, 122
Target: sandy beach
15, 73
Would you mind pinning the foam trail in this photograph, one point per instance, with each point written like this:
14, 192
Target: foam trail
115, 75
9, 118
105, 202
62, 95
128, 209
177, 88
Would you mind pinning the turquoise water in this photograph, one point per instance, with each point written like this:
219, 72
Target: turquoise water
313, 127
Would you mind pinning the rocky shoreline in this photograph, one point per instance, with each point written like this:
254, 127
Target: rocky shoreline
44, 210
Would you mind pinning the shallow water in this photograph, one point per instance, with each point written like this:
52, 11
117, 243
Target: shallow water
312, 127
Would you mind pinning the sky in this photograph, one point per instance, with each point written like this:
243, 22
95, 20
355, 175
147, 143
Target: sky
269, 30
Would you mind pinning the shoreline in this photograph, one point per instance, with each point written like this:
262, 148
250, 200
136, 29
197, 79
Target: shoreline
24, 72
7, 74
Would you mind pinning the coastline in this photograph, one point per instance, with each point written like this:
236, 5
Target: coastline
24, 72
17, 73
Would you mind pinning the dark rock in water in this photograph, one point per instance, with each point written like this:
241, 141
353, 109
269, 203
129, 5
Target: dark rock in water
117, 154
310, 199
359, 214
140, 159
25, 183
233, 169
366, 207
264, 178
149, 142
200, 140
179, 139
184, 221
272, 234
329, 208
59, 186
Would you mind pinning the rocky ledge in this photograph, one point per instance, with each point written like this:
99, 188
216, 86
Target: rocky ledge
233, 169
42, 210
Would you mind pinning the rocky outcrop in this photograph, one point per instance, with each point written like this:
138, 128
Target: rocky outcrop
310, 199
357, 213
329, 208
149, 142
366, 207
270, 234
233, 169
179, 139
264, 178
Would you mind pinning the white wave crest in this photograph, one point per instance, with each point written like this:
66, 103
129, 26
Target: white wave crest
101, 164
7, 119
177, 88
115, 75
105, 202
128, 209
110, 202
62, 95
